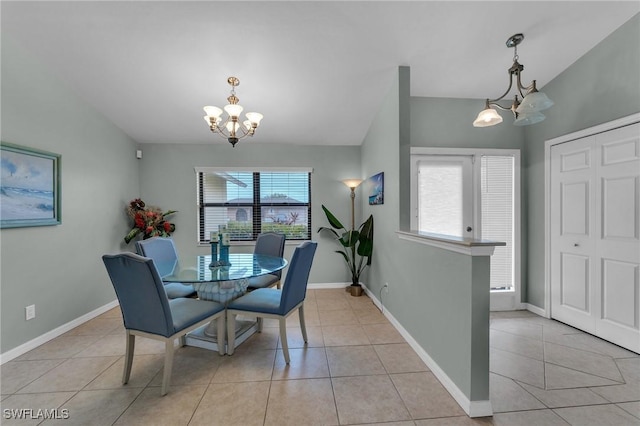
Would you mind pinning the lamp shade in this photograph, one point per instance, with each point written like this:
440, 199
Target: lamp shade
233, 110
213, 111
487, 117
352, 183
533, 102
254, 117
527, 118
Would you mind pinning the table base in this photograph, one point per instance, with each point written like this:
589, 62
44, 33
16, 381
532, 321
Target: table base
202, 337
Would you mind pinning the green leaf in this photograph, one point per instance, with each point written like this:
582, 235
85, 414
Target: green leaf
324, 228
333, 221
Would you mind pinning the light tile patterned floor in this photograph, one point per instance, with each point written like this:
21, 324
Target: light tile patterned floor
356, 369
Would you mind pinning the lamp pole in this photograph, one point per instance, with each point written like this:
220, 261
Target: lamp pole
352, 184
353, 217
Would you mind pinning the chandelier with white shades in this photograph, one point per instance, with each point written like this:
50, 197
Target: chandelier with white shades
230, 127
526, 111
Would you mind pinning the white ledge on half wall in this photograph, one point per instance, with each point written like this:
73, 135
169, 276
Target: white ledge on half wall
468, 246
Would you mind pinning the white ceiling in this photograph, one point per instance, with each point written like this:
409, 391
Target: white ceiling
316, 70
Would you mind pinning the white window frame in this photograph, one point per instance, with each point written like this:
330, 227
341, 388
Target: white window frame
501, 300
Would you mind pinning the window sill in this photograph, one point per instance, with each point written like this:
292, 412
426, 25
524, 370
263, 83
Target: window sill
468, 246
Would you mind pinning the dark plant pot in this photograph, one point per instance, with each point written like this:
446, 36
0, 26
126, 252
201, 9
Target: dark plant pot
356, 290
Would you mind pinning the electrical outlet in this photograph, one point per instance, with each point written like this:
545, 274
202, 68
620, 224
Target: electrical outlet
30, 312
386, 287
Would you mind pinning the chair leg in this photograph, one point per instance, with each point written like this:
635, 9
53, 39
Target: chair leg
278, 284
222, 338
303, 326
168, 365
231, 332
128, 357
260, 321
283, 339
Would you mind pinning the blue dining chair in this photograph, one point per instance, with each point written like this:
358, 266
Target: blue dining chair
277, 303
147, 311
270, 244
164, 254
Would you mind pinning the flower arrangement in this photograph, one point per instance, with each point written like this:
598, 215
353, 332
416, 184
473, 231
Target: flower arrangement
148, 221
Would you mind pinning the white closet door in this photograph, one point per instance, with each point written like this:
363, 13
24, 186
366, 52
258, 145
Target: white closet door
595, 235
572, 230
618, 246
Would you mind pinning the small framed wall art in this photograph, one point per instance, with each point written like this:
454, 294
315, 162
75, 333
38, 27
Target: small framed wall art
29, 187
375, 188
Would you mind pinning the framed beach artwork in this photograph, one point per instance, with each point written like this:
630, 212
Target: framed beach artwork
29, 187
375, 188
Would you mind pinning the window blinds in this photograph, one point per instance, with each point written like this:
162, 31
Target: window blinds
497, 192
249, 202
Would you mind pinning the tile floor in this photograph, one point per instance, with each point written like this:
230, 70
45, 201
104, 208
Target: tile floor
356, 369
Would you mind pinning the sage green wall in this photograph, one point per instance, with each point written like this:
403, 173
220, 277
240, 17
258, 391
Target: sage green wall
430, 292
167, 179
601, 86
58, 268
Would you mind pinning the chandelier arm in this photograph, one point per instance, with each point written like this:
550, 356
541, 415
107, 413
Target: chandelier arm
497, 105
521, 87
224, 133
492, 101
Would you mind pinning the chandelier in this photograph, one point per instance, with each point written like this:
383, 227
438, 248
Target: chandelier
526, 111
230, 127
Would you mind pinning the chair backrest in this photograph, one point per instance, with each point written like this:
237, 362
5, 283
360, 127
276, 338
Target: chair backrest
294, 289
270, 244
162, 251
140, 291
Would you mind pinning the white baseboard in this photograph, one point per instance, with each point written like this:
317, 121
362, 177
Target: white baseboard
320, 286
44, 338
536, 310
472, 408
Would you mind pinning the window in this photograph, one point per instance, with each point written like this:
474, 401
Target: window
497, 211
472, 193
249, 202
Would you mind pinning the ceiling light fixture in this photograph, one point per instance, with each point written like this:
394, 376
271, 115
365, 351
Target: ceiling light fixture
525, 112
230, 128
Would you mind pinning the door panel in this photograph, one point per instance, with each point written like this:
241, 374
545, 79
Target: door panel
574, 281
572, 211
619, 281
618, 243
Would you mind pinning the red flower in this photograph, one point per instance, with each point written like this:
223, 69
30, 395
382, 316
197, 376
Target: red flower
149, 229
139, 221
167, 227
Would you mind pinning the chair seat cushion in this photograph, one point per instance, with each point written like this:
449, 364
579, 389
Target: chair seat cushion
186, 312
175, 290
263, 281
265, 300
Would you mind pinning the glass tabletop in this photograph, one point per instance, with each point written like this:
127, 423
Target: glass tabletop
199, 269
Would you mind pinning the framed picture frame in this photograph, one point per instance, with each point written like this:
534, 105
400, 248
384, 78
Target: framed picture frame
375, 187
29, 187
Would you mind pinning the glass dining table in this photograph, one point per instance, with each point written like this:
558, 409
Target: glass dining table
221, 279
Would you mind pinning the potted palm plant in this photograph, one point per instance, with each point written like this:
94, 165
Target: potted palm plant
356, 246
